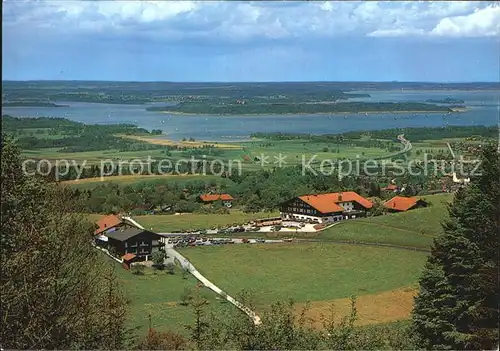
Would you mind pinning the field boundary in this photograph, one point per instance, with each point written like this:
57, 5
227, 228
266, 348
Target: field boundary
365, 243
395, 227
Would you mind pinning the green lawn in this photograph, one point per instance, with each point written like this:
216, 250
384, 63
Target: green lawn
415, 228
425, 221
159, 295
93, 217
360, 231
168, 223
293, 150
306, 272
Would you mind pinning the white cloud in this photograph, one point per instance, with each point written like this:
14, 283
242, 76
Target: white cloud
397, 32
483, 22
254, 20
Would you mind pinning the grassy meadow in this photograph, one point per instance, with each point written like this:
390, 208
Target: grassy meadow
306, 272
415, 228
158, 294
248, 153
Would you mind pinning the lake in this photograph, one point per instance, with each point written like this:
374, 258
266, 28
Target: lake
484, 107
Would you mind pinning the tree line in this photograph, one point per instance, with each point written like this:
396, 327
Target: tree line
413, 134
255, 191
69, 136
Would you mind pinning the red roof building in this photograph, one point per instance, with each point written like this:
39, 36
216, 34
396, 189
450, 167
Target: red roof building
215, 197
326, 203
390, 187
107, 222
401, 203
129, 257
322, 208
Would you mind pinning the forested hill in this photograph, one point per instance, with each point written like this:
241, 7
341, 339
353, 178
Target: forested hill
70, 136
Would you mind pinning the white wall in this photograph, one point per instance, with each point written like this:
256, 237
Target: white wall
347, 205
303, 217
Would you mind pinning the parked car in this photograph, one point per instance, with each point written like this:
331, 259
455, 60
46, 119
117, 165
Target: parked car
245, 241
260, 240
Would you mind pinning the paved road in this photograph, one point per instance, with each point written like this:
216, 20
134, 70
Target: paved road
406, 143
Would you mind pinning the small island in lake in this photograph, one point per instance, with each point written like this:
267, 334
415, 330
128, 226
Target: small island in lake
445, 101
240, 108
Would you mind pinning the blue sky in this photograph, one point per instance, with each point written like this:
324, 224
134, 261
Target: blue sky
251, 41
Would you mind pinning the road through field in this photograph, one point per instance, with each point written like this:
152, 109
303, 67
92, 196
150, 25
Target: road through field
184, 262
192, 269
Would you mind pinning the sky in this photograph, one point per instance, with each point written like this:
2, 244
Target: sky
452, 41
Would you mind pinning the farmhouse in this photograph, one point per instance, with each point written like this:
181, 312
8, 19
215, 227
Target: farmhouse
324, 208
126, 242
401, 203
226, 199
391, 187
108, 223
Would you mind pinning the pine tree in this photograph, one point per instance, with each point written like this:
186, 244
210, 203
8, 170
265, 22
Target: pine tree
457, 306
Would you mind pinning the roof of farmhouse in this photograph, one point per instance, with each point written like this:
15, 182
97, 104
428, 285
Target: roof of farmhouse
401, 203
215, 197
106, 222
123, 235
327, 203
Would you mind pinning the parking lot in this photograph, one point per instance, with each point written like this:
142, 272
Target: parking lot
192, 241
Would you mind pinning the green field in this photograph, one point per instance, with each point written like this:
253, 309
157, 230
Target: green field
159, 295
306, 272
169, 223
366, 232
291, 150
426, 221
415, 228
89, 183
93, 157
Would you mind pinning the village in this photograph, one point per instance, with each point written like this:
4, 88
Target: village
128, 242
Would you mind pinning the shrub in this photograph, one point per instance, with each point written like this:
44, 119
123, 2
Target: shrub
138, 269
170, 267
186, 296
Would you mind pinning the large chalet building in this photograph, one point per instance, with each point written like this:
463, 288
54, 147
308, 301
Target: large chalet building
325, 208
124, 240
134, 241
